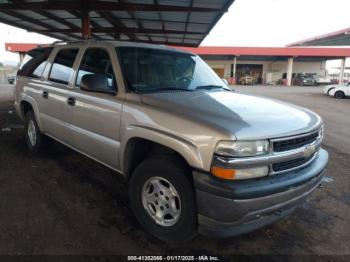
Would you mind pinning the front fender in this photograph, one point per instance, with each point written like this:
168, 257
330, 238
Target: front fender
185, 148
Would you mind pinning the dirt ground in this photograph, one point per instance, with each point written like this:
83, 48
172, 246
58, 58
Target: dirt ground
61, 202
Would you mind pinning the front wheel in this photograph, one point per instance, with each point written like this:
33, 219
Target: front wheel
163, 200
339, 94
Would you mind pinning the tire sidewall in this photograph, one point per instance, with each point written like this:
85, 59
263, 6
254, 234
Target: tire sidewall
339, 92
186, 227
31, 117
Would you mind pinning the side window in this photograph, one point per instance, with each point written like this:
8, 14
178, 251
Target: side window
97, 61
61, 70
34, 62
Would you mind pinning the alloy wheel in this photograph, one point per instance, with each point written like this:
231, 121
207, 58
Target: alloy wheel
161, 201
31, 131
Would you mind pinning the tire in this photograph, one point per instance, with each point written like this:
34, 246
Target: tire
339, 94
144, 182
36, 141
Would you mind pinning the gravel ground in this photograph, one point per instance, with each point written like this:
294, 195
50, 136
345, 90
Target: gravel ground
61, 202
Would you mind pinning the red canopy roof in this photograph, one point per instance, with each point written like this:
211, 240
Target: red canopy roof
19, 47
270, 51
235, 51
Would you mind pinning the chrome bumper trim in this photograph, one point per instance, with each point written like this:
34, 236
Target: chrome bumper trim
302, 152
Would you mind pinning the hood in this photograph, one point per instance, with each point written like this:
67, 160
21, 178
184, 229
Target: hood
244, 116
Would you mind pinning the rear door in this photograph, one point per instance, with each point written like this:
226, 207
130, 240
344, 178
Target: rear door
93, 119
54, 92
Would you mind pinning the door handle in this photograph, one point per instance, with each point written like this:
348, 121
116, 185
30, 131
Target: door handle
45, 94
71, 101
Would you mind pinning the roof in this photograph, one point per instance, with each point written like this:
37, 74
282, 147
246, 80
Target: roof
337, 38
271, 51
172, 22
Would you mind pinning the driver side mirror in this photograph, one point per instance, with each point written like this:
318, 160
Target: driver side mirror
96, 83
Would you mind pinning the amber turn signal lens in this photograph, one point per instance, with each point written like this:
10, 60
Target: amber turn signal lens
223, 173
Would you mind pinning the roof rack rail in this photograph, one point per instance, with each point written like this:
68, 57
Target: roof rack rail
58, 42
73, 41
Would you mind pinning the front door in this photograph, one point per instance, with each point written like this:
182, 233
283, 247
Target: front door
94, 118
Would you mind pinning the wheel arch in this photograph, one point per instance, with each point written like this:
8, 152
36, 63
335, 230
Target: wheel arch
28, 103
137, 148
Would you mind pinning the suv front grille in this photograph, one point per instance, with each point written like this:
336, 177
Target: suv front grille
294, 143
291, 164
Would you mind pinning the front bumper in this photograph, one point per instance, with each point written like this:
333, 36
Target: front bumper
331, 92
230, 208
326, 90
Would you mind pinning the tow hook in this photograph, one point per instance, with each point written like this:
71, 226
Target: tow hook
325, 179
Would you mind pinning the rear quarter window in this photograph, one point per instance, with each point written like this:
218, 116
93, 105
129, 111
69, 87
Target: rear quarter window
34, 62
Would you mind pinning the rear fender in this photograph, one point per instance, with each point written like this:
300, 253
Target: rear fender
33, 103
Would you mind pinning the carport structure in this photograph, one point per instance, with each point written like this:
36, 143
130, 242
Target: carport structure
337, 38
172, 22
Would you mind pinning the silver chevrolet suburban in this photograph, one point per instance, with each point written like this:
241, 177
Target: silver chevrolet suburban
198, 157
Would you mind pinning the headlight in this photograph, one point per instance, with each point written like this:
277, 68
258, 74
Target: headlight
239, 174
242, 148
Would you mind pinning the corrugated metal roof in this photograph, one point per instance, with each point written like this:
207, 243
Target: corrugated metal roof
172, 22
337, 38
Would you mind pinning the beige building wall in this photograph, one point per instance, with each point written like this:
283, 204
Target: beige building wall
273, 71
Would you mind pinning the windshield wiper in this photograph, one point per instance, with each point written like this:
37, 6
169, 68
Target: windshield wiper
210, 87
160, 89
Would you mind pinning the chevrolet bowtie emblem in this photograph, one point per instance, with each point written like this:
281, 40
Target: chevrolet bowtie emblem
309, 151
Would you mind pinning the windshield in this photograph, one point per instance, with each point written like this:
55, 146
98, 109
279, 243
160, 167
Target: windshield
149, 70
